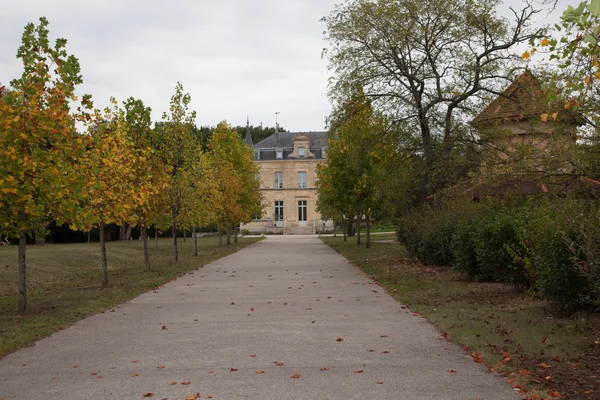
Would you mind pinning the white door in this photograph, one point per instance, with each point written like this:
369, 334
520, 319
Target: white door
302, 213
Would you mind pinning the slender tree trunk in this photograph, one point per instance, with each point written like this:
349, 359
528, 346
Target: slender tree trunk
344, 228
220, 234
174, 233
334, 231
235, 235
184, 236
358, 230
155, 238
128, 232
103, 256
228, 237
145, 240
122, 230
22, 270
89, 236
195, 241
368, 233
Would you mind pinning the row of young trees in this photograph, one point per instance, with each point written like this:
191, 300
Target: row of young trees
407, 78
62, 160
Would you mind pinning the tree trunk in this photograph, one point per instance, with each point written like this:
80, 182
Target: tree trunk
155, 238
22, 271
145, 240
228, 237
103, 257
350, 227
184, 236
195, 241
334, 231
358, 230
235, 235
122, 230
368, 233
128, 232
220, 234
89, 235
344, 228
174, 233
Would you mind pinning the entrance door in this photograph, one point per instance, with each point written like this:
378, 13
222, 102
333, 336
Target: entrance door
302, 214
279, 213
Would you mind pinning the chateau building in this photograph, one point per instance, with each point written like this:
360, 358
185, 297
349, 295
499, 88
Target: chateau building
287, 163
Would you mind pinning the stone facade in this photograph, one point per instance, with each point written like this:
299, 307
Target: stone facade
287, 163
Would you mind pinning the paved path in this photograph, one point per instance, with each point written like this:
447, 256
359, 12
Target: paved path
294, 297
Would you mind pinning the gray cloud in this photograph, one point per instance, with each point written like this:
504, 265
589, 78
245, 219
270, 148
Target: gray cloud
234, 56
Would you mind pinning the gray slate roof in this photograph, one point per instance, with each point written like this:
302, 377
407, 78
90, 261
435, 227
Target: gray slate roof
286, 139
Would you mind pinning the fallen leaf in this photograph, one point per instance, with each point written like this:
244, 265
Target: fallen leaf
588, 391
135, 361
252, 355
161, 367
278, 363
308, 309
384, 336
371, 351
186, 382
233, 369
553, 393
75, 366
510, 381
523, 372
211, 371
358, 371
386, 352
149, 394
380, 382
208, 396
251, 308
94, 373
164, 327
260, 372
544, 365
340, 339
451, 370
295, 376
232, 303
476, 357
98, 376
171, 383
556, 358
324, 369
134, 375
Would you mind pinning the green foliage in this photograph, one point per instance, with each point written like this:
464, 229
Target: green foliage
548, 246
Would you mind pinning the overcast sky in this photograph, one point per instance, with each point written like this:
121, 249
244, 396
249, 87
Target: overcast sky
234, 57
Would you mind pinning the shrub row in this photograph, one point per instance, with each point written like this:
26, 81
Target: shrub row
549, 245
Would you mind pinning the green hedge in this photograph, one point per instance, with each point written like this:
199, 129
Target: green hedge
550, 246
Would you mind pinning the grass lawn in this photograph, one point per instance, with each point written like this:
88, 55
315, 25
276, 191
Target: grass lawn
542, 352
63, 281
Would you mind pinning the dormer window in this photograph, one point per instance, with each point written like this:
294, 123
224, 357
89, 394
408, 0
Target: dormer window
300, 153
279, 154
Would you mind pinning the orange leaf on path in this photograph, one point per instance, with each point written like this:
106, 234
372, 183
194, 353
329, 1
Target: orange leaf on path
134, 375
164, 327
451, 370
251, 308
544, 365
324, 369
149, 394
211, 371
186, 382
135, 361
233, 369
278, 363
252, 355
523, 372
380, 382
340, 339
358, 371
295, 376
476, 357
93, 373
208, 396
171, 383
161, 367
260, 372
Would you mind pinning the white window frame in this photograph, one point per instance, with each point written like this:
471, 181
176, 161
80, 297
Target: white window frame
279, 154
301, 153
302, 182
278, 180
278, 206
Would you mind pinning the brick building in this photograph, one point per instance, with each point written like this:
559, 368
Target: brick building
287, 162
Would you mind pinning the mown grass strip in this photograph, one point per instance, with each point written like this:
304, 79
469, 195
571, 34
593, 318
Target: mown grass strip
64, 281
516, 333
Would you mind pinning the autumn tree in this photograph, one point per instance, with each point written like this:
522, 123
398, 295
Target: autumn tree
424, 62
237, 197
355, 178
36, 137
175, 145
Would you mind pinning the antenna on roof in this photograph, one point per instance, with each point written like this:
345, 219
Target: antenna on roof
276, 123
